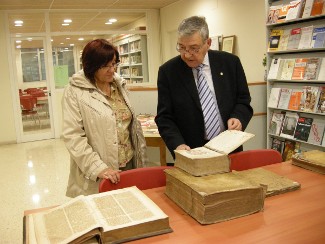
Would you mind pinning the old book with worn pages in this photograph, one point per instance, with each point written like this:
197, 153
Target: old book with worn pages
220, 197
213, 157
110, 217
214, 198
312, 160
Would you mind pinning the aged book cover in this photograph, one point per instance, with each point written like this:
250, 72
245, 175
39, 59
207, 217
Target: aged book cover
275, 69
276, 123
312, 68
114, 217
294, 39
214, 198
275, 37
274, 97
295, 99
316, 131
309, 98
306, 37
318, 40
321, 101
303, 128
284, 98
289, 125
299, 69
213, 157
287, 69
276, 184
312, 160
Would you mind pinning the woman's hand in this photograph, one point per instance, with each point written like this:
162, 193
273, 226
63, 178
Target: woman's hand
110, 174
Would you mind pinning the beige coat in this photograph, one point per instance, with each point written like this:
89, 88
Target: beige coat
90, 134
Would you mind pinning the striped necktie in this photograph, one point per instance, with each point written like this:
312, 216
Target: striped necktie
211, 120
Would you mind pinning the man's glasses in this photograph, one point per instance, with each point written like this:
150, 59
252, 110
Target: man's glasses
191, 50
110, 66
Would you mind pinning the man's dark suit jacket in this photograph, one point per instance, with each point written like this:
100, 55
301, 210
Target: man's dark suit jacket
179, 113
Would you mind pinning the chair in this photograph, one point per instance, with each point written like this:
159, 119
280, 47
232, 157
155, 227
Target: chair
28, 108
254, 158
143, 178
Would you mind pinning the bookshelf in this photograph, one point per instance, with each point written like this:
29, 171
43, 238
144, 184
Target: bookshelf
278, 52
133, 58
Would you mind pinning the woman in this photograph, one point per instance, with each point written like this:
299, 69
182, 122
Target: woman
100, 128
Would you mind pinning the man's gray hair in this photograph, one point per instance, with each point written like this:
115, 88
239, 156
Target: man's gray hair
192, 25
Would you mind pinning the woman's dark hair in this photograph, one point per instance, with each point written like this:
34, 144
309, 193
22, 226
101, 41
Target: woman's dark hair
96, 54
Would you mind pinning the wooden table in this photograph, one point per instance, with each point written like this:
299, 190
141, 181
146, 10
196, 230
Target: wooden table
154, 140
294, 217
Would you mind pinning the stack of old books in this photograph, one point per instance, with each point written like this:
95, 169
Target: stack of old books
202, 185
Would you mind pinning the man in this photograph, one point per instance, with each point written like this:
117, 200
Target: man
180, 115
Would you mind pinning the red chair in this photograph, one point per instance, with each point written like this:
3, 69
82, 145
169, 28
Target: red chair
253, 159
28, 107
143, 178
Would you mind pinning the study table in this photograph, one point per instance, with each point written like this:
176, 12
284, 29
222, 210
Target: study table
293, 217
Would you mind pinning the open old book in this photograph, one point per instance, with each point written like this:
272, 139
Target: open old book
110, 217
213, 157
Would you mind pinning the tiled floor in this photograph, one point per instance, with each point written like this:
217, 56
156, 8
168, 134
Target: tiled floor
33, 175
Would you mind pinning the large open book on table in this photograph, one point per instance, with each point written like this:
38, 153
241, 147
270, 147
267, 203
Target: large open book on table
213, 157
110, 217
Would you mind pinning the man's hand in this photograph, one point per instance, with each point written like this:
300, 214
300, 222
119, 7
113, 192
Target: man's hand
234, 124
183, 147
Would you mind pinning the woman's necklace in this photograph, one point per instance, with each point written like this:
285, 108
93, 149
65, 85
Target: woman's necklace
105, 88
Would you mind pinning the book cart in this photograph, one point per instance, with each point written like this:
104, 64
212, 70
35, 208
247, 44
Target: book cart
286, 49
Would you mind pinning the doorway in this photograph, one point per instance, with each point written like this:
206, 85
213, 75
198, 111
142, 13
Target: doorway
31, 62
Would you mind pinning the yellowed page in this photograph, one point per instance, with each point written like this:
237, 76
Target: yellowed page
124, 207
228, 141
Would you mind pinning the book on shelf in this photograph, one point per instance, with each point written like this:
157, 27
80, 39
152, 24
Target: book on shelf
294, 38
289, 125
321, 72
275, 37
213, 157
111, 217
318, 40
307, 8
317, 8
312, 68
306, 37
309, 98
284, 99
303, 128
273, 14
276, 122
287, 69
313, 160
277, 145
316, 132
275, 68
299, 69
284, 40
295, 9
282, 14
295, 99
289, 149
321, 101
274, 97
